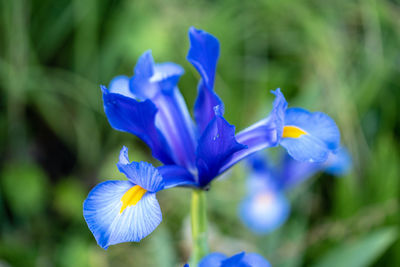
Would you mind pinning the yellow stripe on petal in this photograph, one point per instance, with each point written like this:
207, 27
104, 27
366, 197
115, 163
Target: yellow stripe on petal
292, 132
132, 197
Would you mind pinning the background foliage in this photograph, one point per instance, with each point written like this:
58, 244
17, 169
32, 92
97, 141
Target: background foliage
341, 57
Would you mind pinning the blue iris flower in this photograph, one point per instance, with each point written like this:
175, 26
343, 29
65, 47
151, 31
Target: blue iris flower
266, 208
241, 259
150, 106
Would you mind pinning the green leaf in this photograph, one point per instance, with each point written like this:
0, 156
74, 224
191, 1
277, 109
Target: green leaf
362, 252
25, 188
68, 198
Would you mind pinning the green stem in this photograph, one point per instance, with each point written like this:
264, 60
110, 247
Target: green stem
199, 226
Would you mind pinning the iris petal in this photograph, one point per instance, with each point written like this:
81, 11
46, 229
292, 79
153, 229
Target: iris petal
263, 134
241, 259
157, 82
212, 259
294, 172
235, 260
138, 118
151, 79
140, 173
120, 85
109, 226
203, 55
174, 176
338, 163
321, 138
216, 147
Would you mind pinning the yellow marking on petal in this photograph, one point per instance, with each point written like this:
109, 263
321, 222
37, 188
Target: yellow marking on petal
132, 197
292, 132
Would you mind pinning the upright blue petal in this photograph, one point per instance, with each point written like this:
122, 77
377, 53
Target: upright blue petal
263, 134
315, 135
120, 85
110, 226
338, 163
138, 118
140, 173
264, 211
174, 176
157, 82
151, 79
216, 146
203, 54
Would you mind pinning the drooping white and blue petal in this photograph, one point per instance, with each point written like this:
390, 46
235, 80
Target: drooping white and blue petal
203, 54
309, 136
125, 211
110, 226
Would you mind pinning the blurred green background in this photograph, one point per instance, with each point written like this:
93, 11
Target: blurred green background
341, 57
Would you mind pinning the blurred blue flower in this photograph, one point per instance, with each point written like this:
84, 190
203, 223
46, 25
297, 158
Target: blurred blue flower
150, 106
266, 207
241, 259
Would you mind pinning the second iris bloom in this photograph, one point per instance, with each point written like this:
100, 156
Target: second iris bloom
150, 106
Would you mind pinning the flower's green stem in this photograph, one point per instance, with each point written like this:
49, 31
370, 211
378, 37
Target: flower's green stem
199, 226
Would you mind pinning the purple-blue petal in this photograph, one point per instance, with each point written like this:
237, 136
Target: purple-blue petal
157, 82
203, 55
206, 100
173, 119
140, 173
235, 261
215, 148
174, 176
151, 79
138, 118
